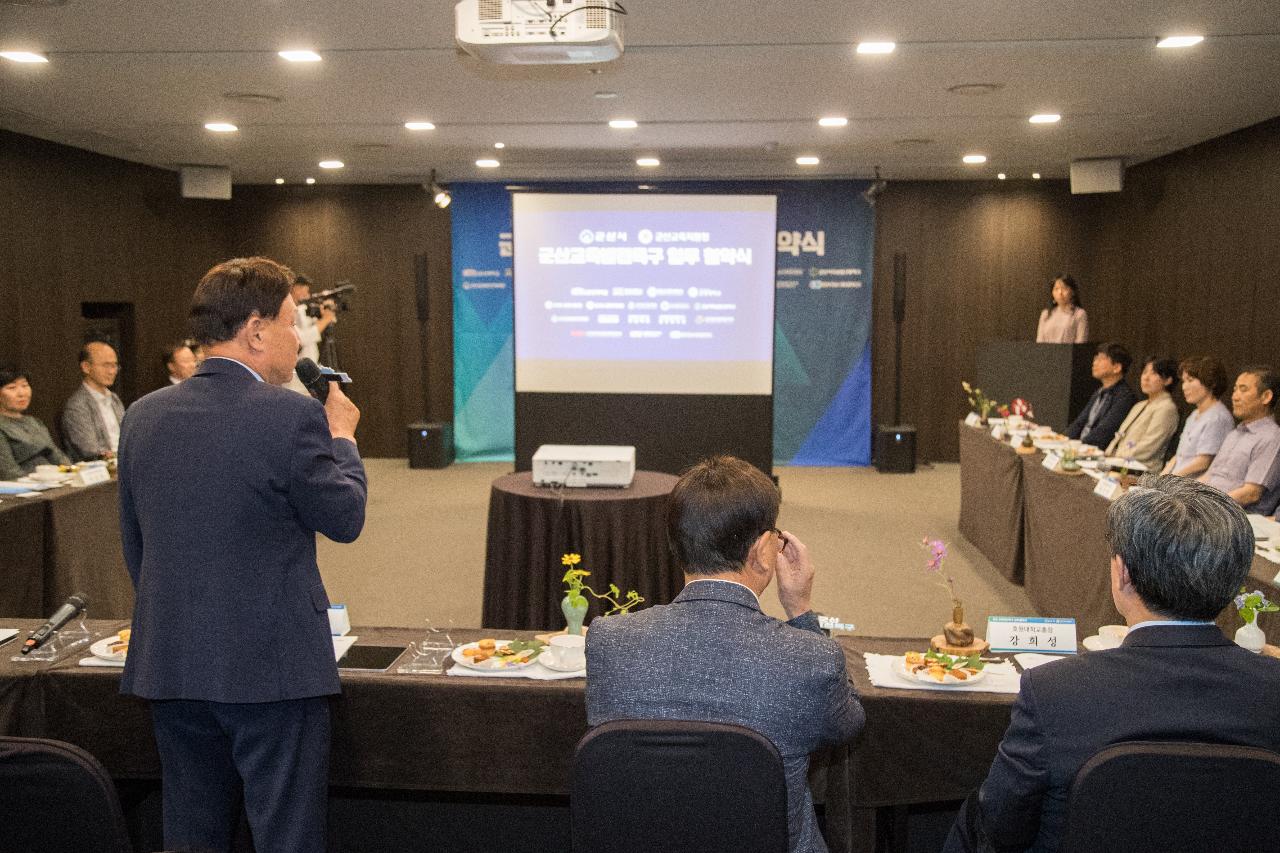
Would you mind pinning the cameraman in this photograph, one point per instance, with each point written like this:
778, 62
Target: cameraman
310, 329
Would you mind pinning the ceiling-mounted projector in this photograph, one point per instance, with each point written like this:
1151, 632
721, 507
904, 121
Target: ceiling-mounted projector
539, 32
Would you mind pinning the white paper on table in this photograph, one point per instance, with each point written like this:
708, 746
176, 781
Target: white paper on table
342, 644
537, 672
1263, 527
95, 661
1267, 554
1031, 660
1001, 677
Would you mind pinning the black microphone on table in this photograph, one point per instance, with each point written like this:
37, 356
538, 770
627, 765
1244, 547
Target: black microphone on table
317, 377
64, 614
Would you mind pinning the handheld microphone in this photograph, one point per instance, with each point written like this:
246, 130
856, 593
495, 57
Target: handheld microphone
316, 378
64, 614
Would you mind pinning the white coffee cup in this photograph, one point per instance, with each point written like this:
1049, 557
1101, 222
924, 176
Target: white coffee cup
1112, 635
568, 651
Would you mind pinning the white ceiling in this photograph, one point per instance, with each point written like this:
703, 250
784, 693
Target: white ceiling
721, 88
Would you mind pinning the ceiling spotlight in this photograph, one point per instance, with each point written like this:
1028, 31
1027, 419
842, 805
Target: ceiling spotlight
807, 161
499, 145
419, 125
1045, 118
606, 96
1179, 41
440, 196
644, 186
279, 180
23, 56
1002, 176
311, 181
974, 159
623, 124
220, 127
488, 164
331, 164
1035, 175
876, 47
648, 161
832, 121
300, 55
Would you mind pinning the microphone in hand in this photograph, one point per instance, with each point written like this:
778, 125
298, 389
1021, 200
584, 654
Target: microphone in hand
317, 378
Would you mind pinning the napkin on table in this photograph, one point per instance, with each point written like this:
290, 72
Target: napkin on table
1001, 677
537, 672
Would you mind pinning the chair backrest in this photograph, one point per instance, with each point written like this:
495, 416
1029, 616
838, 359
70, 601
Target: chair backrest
679, 787
56, 796
1147, 796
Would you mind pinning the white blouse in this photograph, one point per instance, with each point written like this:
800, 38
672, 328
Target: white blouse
1063, 327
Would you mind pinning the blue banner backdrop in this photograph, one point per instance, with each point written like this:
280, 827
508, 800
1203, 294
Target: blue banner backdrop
822, 326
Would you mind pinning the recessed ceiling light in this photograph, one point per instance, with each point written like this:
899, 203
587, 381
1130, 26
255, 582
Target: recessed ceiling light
1179, 41
300, 55
488, 164
23, 56
807, 161
606, 96
1002, 176
644, 186
220, 127
419, 125
499, 145
1035, 175
876, 47
623, 124
1045, 118
331, 164
832, 121
648, 161
311, 180
279, 180
974, 159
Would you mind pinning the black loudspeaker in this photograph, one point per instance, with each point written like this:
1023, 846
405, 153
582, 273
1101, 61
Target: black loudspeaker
420, 287
430, 445
896, 449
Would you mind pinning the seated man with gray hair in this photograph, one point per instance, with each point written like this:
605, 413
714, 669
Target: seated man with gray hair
712, 655
1180, 552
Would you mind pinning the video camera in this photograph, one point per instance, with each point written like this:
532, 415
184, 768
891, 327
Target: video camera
336, 298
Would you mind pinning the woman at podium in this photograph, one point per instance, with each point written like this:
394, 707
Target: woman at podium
1064, 321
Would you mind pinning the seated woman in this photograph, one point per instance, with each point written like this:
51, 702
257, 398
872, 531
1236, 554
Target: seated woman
26, 443
1204, 381
1145, 432
1064, 321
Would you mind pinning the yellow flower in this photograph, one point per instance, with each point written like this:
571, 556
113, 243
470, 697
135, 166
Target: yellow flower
571, 559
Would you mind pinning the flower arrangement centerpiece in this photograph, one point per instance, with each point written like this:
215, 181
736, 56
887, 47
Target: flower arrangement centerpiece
957, 638
979, 402
1249, 605
575, 603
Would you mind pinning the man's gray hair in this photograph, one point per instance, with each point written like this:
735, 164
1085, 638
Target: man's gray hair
1188, 546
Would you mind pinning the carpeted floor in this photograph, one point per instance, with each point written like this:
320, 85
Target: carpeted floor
421, 555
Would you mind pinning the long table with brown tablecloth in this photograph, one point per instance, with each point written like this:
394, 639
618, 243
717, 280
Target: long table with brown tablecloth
620, 533
991, 500
77, 534
431, 732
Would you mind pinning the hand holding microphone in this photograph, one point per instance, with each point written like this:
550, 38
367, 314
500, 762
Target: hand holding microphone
326, 386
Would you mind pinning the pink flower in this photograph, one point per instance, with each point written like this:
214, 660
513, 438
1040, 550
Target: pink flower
937, 553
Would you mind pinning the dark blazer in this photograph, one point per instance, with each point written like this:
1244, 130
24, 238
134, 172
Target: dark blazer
83, 432
1163, 683
224, 482
1116, 403
712, 655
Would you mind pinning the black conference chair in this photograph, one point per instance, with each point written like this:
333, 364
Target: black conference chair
680, 787
56, 796
1143, 796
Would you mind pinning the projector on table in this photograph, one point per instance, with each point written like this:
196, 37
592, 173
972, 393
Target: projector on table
581, 465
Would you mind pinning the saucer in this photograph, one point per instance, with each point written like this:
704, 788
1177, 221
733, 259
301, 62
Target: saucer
545, 660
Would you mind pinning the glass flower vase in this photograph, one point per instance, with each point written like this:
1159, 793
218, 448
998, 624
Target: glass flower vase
574, 613
1251, 637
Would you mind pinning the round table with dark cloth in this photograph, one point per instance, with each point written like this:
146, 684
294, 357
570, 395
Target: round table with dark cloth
620, 533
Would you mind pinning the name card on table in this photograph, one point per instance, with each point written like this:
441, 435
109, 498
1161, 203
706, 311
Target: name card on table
1032, 634
1015, 441
1051, 460
997, 432
1109, 488
972, 419
90, 475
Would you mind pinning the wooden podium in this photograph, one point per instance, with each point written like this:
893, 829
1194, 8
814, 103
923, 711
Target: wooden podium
1056, 379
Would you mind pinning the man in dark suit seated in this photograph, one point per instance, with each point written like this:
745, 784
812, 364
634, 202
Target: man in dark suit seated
1107, 407
712, 655
225, 479
1181, 550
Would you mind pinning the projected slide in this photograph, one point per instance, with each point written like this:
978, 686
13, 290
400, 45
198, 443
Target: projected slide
639, 294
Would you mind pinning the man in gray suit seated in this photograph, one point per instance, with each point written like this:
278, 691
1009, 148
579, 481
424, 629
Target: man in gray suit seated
712, 655
92, 414
1181, 549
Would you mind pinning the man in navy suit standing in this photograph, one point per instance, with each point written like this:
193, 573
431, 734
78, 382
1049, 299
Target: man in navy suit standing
712, 655
225, 480
1181, 550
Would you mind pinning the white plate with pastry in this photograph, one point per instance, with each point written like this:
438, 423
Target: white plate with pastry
113, 648
493, 655
937, 669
